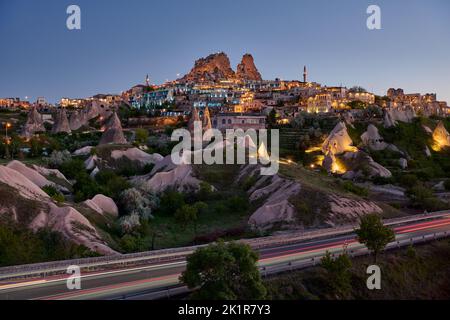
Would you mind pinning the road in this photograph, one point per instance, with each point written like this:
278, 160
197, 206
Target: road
149, 281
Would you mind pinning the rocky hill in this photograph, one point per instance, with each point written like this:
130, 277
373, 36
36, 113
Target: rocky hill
247, 70
212, 68
217, 67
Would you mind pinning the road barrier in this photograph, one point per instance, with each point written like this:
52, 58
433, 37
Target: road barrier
177, 254
300, 263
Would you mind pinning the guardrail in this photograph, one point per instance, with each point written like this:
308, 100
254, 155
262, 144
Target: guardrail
300, 263
169, 255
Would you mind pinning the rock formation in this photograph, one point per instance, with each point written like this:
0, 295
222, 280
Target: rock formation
360, 164
206, 120
85, 151
77, 120
41, 211
214, 67
31, 174
33, 124
372, 139
193, 119
278, 196
113, 133
338, 141
348, 118
247, 70
403, 114
441, 136
166, 174
61, 123
329, 162
135, 154
103, 204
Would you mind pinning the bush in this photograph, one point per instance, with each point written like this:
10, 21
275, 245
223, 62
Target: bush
54, 193
171, 201
58, 158
129, 223
408, 180
111, 183
135, 203
351, 187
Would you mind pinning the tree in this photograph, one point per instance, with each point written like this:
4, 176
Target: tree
135, 203
141, 136
188, 214
374, 234
338, 271
223, 271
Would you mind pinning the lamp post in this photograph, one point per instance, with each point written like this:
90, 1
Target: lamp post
7, 125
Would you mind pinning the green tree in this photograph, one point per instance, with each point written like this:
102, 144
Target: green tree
171, 201
374, 234
224, 272
338, 272
141, 136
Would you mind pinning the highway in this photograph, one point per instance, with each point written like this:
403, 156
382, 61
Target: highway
158, 280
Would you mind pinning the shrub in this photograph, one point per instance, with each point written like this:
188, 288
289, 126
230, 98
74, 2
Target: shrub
351, 187
408, 180
135, 203
171, 201
129, 223
111, 183
54, 193
57, 158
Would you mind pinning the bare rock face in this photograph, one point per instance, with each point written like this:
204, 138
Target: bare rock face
33, 124
61, 123
276, 191
441, 136
362, 164
247, 70
372, 139
166, 175
338, 141
113, 133
77, 120
206, 120
24, 186
403, 114
31, 174
135, 154
214, 67
195, 117
346, 210
73, 225
26, 183
103, 204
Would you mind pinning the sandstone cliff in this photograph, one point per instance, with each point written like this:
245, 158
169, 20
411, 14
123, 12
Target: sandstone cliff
214, 67
247, 70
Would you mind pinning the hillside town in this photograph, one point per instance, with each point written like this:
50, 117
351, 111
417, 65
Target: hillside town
98, 171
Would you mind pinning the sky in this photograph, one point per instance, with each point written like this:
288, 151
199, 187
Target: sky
120, 42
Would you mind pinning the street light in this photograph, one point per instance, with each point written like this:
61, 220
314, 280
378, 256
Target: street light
7, 126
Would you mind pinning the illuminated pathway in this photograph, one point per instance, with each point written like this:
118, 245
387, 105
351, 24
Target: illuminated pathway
141, 282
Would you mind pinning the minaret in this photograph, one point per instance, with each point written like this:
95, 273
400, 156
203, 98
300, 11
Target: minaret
147, 81
305, 74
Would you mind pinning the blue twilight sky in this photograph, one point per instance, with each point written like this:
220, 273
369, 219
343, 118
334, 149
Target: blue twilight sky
121, 41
